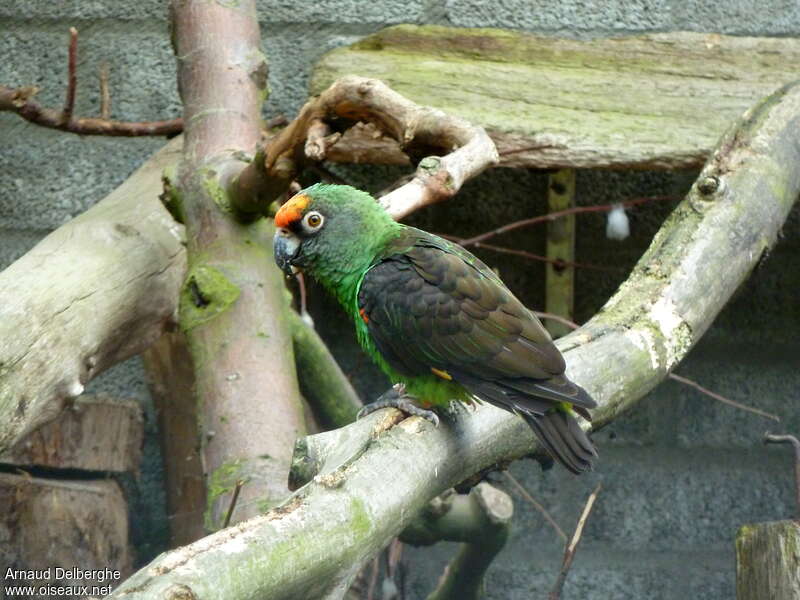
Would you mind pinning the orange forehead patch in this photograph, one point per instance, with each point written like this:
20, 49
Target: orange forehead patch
291, 211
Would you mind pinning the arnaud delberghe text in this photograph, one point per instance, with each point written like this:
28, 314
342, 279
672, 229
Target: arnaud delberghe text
59, 573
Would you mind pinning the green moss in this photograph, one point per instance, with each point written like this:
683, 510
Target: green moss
264, 506
170, 197
206, 293
216, 192
361, 523
222, 481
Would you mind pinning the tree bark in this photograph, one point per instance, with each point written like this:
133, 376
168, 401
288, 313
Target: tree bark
92, 293
232, 306
312, 545
560, 103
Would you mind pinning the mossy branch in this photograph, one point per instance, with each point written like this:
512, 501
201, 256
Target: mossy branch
322, 382
96, 291
481, 520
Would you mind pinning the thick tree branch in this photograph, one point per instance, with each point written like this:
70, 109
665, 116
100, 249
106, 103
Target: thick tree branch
481, 520
92, 293
232, 305
322, 382
312, 546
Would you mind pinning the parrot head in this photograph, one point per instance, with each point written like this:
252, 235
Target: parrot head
330, 231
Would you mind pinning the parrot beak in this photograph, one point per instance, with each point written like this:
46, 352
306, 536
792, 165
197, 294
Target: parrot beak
286, 246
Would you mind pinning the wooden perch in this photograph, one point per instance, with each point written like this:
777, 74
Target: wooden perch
94, 292
463, 150
313, 545
481, 520
558, 103
768, 561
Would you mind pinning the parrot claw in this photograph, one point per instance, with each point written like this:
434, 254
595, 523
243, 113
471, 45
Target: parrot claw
397, 398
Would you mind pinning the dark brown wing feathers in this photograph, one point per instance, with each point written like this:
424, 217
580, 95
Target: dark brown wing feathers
434, 305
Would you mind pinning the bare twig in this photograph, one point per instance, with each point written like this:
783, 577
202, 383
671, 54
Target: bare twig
572, 547
723, 399
373, 579
105, 93
72, 78
789, 439
232, 505
555, 215
560, 319
19, 100
532, 256
525, 494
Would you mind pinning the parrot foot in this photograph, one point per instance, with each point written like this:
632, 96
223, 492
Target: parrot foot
397, 398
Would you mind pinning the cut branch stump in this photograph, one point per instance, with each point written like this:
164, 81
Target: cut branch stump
96, 433
768, 561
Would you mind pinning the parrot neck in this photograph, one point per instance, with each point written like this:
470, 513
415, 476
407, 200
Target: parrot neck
342, 277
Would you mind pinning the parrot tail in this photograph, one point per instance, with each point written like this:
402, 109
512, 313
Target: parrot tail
563, 439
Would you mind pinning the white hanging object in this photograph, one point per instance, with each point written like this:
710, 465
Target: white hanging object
617, 226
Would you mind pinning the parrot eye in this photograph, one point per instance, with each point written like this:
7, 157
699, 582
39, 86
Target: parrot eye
313, 221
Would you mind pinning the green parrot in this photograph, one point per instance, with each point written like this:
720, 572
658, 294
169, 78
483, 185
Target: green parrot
435, 319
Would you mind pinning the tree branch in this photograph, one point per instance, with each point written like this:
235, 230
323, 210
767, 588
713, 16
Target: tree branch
96, 291
351, 101
19, 100
481, 520
312, 546
232, 305
322, 382
72, 78
572, 547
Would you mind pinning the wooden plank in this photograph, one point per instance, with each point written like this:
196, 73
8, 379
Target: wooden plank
768, 561
657, 101
97, 433
560, 278
49, 525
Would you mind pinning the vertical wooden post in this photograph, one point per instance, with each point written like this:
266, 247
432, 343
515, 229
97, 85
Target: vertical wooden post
560, 279
768, 561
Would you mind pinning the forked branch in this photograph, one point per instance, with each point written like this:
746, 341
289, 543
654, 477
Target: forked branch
449, 149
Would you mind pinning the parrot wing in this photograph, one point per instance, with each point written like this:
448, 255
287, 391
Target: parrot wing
430, 306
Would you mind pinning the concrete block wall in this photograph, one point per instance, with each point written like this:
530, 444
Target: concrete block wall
680, 472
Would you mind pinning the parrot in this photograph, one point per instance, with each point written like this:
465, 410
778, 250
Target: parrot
436, 320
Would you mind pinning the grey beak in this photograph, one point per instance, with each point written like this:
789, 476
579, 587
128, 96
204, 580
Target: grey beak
286, 246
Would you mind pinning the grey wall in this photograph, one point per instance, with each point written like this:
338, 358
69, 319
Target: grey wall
680, 473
